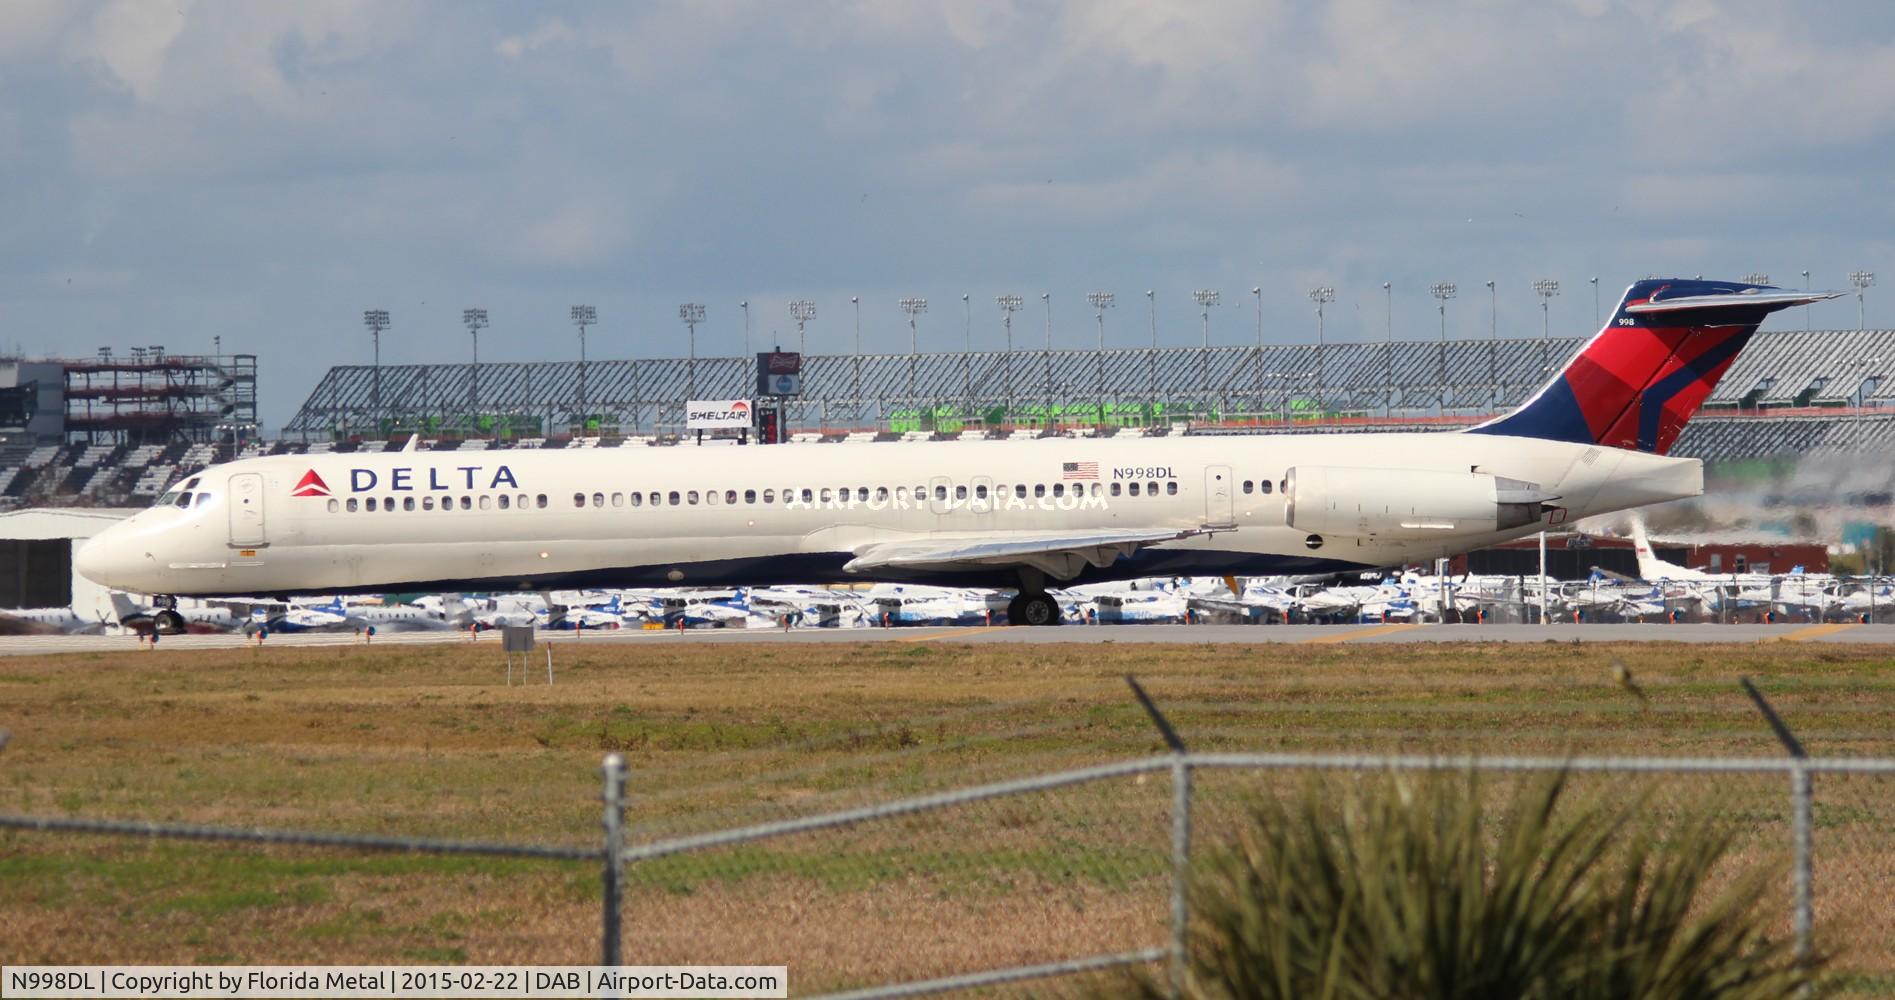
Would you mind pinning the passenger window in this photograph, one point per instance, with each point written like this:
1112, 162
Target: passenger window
711, 497
673, 496
921, 493
940, 493
618, 499
1283, 485
750, 496
960, 492
1248, 485
539, 500
333, 506
351, 505
1097, 489
447, 505
407, 503
503, 501
1059, 489
881, 494
1172, 488
1019, 490
598, 499
1265, 485
1039, 489
808, 497
826, 495
520, 501
578, 499
467, 503
369, 503
1115, 489
690, 497
1132, 489
862, 494
388, 504
769, 496
427, 503
730, 496
637, 498
486, 502
980, 491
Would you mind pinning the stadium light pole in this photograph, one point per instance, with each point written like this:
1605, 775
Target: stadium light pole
1388, 310
1205, 298
1546, 288
1443, 291
1009, 304
1100, 302
1151, 356
1594, 282
376, 320
582, 317
745, 306
802, 311
692, 313
1493, 344
967, 353
1806, 305
1256, 292
855, 301
913, 307
1862, 280
1322, 295
1046, 299
474, 319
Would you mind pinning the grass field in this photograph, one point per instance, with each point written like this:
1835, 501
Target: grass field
427, 740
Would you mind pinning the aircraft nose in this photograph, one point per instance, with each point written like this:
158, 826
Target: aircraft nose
101, 560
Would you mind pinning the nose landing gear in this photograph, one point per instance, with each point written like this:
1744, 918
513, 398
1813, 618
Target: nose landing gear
165, 619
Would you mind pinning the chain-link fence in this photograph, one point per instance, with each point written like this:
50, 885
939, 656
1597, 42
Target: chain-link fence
1065, 877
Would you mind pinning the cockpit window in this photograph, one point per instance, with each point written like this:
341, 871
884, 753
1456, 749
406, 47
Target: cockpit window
191, 483
165, 500
184, 499
203, 498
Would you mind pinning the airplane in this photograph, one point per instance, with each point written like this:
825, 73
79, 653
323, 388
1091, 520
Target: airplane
173, 619
1023, 514
32, 621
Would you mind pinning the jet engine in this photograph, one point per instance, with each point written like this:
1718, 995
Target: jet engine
1407, 503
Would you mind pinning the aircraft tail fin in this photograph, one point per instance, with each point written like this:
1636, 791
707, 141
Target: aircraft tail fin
124, 607
1639, 379
1649, 567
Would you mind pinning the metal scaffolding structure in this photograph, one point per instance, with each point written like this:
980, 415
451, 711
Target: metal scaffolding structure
151, 397
952, 391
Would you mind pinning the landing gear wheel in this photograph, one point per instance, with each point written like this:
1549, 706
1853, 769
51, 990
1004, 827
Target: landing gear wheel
168, 622
1033, 609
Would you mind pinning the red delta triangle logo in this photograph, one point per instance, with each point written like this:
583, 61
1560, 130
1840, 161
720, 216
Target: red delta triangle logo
311, 485
740, 408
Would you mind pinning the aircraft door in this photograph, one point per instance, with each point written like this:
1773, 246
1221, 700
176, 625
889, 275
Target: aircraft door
246, 511
940, 494
1217, 498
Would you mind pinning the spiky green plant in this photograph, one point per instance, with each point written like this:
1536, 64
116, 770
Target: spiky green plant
1410, 887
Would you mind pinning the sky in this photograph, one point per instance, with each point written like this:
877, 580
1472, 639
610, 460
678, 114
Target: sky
178, 171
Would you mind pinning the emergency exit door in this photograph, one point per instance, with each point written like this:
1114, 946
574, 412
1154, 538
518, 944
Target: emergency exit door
246, 512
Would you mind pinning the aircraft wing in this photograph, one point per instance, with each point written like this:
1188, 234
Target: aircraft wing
1060, 555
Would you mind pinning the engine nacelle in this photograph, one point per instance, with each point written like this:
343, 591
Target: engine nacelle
1407, 503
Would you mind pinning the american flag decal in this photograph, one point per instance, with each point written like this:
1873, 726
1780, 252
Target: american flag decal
1079, 470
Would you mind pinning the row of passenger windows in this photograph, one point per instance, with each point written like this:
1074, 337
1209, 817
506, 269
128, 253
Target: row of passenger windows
864, 494
1264, 486
504, 501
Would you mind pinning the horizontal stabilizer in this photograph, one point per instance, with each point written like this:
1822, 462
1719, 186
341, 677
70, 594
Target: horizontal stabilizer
1757, 297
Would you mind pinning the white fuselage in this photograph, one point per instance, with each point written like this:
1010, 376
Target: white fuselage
539, 519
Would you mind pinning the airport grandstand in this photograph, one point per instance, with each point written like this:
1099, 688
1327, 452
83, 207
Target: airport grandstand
1791, 393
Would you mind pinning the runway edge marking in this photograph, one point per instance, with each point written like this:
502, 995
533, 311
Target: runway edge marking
1816, 631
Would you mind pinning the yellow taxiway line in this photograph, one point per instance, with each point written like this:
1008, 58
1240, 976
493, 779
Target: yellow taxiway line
1816, 631
1361, 633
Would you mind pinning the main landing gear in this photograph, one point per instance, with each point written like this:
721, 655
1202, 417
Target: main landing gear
1033, 606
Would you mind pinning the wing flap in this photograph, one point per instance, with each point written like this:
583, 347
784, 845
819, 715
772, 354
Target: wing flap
1061, 555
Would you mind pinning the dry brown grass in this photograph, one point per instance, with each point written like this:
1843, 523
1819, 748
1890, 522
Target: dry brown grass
426, 740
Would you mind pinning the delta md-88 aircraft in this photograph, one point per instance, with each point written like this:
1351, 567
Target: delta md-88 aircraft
1011, 514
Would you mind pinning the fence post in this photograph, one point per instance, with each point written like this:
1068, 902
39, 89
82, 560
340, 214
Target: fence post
1800, 795
1180, 833
1802, 903
1180, 867
613, 853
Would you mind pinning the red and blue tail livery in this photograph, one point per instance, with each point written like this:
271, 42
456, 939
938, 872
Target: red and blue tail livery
1639, 380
